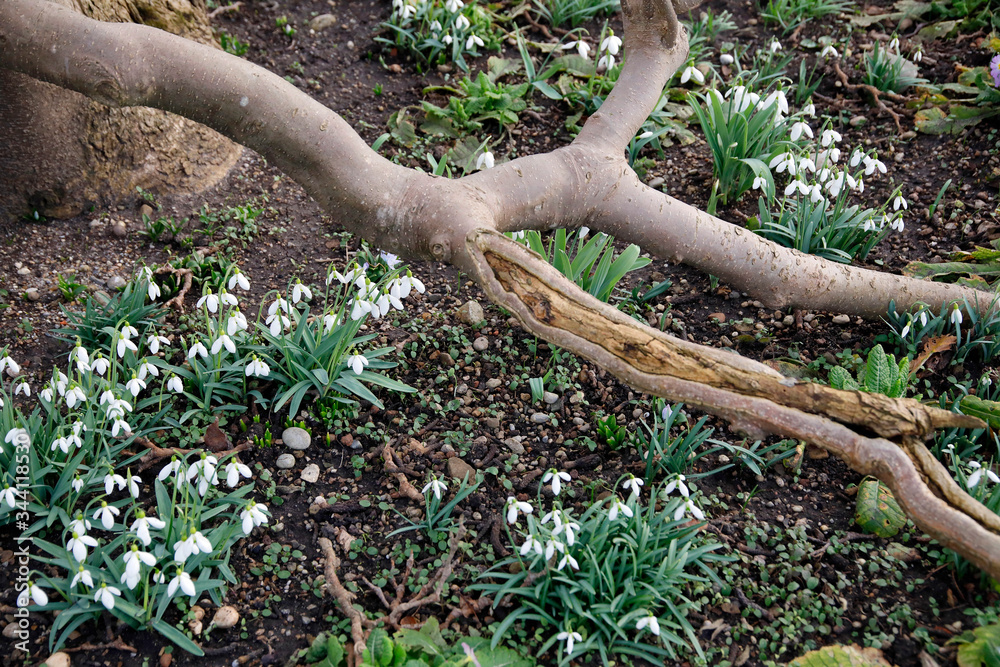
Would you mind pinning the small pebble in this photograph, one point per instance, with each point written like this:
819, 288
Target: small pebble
481, 344
310, 474
296, 438
539, 418
285, 461
31, 294
841, 319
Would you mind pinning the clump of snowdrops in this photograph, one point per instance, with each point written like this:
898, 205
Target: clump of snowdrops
612, 580
437, 32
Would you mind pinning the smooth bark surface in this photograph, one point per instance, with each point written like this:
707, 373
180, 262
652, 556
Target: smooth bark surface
588, 182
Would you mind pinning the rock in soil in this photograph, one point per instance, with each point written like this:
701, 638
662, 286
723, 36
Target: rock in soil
285, 461
458, 469
296, 438
471, 313
481, 344
310, 474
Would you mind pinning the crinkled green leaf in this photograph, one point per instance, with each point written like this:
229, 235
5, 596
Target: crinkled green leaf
877, 511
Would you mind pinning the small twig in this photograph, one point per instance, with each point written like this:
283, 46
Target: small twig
747, 602
343, 596
178, 300
223, 10
405, 487
875, 93
117, 644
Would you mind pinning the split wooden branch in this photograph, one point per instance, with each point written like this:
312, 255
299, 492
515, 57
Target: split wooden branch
343, 597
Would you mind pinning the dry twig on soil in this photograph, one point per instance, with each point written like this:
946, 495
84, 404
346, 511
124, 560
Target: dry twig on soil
344, 597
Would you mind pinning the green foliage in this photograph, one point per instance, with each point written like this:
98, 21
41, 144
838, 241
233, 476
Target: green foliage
574, 12
479, 100
432, 35
790, 14
233, 45
609, 430
593, 265
437, 521
882, 374
889, 72
97, 324
877, 511
425, 647
675, 455
69, 288
979, 647
979, 333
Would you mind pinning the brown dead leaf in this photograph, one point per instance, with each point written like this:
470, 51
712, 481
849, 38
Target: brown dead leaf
215, 439
932, 346
410, 622
344, 539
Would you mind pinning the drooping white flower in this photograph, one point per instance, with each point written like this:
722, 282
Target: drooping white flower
106, 515
692, 72
605, 62
618, 507
254, 515
531, 544
436, 486
9, 495
633, 483
872, 164
798, 129
775, 46
677, 483
956, 315
118, 426
582, 47
357, 363
612, 44
78, 544
210, 301
106, 595
485, 161
34, 593
568, 559
175, 385
809, 109
234, 470
777, 97
82, 576
515, 507
113, 479
461, 23
557, 477
100, 365
783, 162
224, 341
240, 280
198, 349
829, 136
551, 547
829, 52
172, 468
977, 475
77, 483
134, 559
894, 44
141, 525
473, 41
237, 322
257, 368
897, 224
899, 203
687, 507
570, 638
11, 366
135, 385
22, 388
918, 55
79, 355
760, 183
183, 581
567, 527
192, 545
649, 622
133, 484
79, 525
454, 5
796, 186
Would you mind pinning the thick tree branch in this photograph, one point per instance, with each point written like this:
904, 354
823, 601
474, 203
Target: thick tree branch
586, 183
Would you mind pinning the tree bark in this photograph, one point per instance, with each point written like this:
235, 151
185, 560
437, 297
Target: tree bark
61, 152
588, 182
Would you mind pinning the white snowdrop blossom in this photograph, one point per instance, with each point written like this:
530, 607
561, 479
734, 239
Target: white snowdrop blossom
798, 129
78, 544
9, 496
254, 515
557, 477
894, 44
237, 322
809, 110
918, 55
567, 528
133, 484
806, 164
194, 544
125, 344
796, 186
436, 486
135, 385
118, 426
141, 525
816, 193
760, 183
473, 41
688, 507
977, 475
612, 44
172, 468
515, 507
175, 385
570, 638
677, 483
461, 23
224, 341
568, 559
106, 595
11, 366
183, 581
100, 365
633, 483
257, 368
239, 280
22, 388
956, 315
80, 524
618, 507
606, 62
783, 162
75, 395
82, 576
531, 543
692, 72
829, 52
357, 363
649, 622
485, 161
454, 5
210, 301
79, 355
551, 547
33, 592
829, 136
582, 47
111, 480
234, 470
726, 59
897, 224
899, 203
414, 283
775, 46
198, 349
153, 342
134, 558
106, 515
777, 97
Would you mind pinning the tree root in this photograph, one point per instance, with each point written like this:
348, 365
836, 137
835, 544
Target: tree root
157, 453
429, 593
873, 92
405, 487
118, 644
235, 7
343, 597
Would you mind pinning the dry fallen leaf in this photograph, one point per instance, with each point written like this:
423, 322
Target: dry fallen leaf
215, 439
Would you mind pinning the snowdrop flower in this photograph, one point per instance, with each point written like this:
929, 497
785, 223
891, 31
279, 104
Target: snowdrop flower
257, 368
10, 494
192, 545
253, 516
152, 290
688, 506
860, 185
436, 486
581, 47
280, 304
413, 283
45, 394
783, 162
183, 581
956, 315
133, 484
234, 469
239, 280
918, 55
153, 342
775, 46
897, 224
210, 301
447, 39
760, 183
454, 5
133, 561
777, 97
75, 395
143, 523
300, 292
829, 52
125, 344
871, 164
357, 363
557, 477
809, 109
894, 44
806, 163
34, 593
62, 444
515, 507
633, 483
815, 193
531, 544
277, 322
485, 161
677, 482
111, 480
800, 128
175, 385
198, 349
237, 322
567, 559
79, 525
726, 59
836, 184
106, 515
977, 475
8, 364
22, 388
570, 638
606, 62
148, 369
551, 547
612, 44
906, 329
119, 426
224, 341
78, 545
829, 136
692, 72
649, 622
171, 468
79, 355
473, 41
567, 528
106, 595
617, 506
135, 385
77, 484
796, 185
461, 23
82, 576
899, 203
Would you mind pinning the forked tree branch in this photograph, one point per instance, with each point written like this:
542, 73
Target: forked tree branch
588, 182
